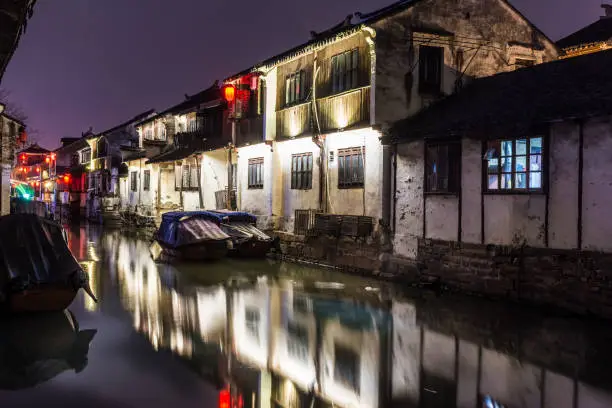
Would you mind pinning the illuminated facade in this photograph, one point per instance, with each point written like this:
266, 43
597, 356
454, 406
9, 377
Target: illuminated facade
595, 37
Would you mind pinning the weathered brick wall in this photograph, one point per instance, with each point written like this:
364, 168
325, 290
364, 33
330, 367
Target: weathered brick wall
578, 281
351, 255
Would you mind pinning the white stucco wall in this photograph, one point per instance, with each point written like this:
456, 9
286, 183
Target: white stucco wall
515, 219
597, 185
351, 201
214, 176
144, 200
291, 200
191, 200
409, 202
442, 216
471, 173
367, 345
168, 192
256, 201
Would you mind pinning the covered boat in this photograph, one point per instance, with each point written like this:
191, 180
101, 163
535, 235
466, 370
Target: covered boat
191, 236
247, 239
35, 348
37, 270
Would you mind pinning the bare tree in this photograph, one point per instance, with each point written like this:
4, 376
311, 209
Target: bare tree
12, 109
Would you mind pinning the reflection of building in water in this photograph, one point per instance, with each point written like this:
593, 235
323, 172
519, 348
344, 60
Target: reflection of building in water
277, 344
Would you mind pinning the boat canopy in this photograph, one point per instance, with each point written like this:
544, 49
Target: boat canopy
189, 227
234, 216
34, 252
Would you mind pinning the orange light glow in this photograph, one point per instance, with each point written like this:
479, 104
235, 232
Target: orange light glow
38, 169
47, 159
224, 399
66, 178
52, 156
37, 183
229, 93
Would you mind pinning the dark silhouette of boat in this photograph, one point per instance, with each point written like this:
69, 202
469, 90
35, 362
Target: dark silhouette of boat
38, 273
189, 236
35, 348
247, 240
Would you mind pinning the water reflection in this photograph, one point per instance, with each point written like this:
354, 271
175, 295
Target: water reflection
280, 335
36, 348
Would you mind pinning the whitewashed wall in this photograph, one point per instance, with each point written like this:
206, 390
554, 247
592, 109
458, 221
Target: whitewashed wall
514, 219
256, 201
353, 201
214, 176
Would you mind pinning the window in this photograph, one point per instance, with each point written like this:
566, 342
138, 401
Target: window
255, 179
192, 125
350, 167
297, 341
102, 148
85, 156
515, 164
161, 132
442, 168
134, 181
345, 71
252, 321
301, 171
148, 134
523, 63
347, 367
295, 88
186, 177
146, 185
430, 69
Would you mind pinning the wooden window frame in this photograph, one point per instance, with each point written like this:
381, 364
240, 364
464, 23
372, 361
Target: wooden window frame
295, 88
345, 71
343, 171
443, 167
146, 184
490, 172
431, 64
255, 174
301, 178
191, 183
133, 181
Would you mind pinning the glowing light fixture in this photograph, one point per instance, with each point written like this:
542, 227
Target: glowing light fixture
224, 399
229, 93
47, 159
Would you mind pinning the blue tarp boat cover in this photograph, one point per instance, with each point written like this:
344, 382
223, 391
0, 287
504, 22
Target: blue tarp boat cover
189, 227
34, 252
234, 216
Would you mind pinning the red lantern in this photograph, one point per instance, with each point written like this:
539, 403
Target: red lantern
38, 169
52, 156
47, 159
37, 183
23, 157
229, 93
66, 178
224, 399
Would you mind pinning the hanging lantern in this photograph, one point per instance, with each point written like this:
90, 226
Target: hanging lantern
38, 169
37, 183
47, 159
229, 93
66, 178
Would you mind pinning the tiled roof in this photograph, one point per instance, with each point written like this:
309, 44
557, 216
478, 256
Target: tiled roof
34, 149
13, 21
599, 31
516, 102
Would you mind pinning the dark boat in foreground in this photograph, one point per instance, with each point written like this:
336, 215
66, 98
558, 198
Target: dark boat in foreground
247, 240
189, 236
37, 270
35, 348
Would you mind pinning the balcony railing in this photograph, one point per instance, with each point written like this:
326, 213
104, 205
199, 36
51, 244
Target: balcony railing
294, 121
194, 139
344, 110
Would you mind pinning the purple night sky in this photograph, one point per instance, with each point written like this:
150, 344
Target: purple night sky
98, 63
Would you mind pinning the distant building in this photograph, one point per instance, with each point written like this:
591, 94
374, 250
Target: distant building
592, 38
12, 137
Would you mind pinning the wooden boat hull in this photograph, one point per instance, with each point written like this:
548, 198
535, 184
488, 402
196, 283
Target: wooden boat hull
252, 248
44, 299
204, 251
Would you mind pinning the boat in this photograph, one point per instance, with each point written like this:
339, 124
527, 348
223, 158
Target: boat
38, 273
247, 240
35, 348
189, 236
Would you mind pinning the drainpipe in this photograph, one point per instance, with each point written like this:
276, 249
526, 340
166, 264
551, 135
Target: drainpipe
199, 183
316, 138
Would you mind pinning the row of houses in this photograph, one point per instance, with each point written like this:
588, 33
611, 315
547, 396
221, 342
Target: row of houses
425, 133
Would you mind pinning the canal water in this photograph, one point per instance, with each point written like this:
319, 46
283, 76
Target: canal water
270, 334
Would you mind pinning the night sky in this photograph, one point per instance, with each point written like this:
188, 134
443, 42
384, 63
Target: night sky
98, 63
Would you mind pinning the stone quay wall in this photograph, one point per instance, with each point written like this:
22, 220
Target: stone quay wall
577, 281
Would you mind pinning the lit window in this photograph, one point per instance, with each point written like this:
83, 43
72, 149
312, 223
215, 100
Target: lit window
295, 86
515, 164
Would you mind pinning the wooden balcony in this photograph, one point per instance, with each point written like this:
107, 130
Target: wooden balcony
250, 130
294, 121
344, 110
